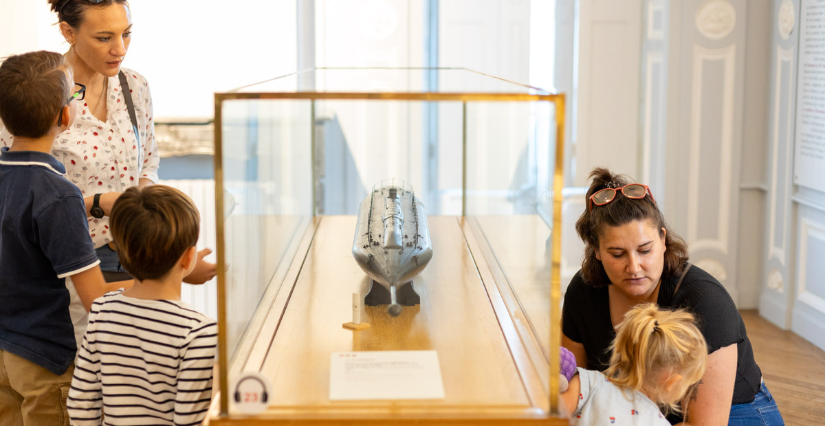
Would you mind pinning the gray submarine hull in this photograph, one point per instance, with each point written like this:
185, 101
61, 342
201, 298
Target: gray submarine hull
392, 240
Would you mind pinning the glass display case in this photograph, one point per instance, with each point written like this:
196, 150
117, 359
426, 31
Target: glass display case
294, 158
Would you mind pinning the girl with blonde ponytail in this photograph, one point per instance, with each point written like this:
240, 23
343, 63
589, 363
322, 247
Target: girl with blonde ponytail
658, 358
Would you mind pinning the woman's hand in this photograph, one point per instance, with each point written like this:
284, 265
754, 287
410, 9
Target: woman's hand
143, 182
710, 403
204, 271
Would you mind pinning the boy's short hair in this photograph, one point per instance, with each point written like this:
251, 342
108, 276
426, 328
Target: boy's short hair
33, 90
152, 228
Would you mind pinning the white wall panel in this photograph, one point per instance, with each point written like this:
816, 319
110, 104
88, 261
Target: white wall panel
779, 280
781, 143
607, 128
653, 120
811, 267
711, 145
656, 18
654, 99
809, 309
705, 127
754, 153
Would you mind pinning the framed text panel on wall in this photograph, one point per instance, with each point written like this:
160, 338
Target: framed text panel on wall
809, 167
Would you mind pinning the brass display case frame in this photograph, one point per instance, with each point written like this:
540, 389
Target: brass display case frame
557, 99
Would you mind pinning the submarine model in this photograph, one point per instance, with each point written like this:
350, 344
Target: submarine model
392, 244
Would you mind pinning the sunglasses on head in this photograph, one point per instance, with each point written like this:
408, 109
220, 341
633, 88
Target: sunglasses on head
80, 94
634, 191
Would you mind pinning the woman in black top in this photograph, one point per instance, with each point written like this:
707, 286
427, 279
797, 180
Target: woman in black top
632, 257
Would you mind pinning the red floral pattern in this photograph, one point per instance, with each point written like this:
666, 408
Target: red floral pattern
90, 148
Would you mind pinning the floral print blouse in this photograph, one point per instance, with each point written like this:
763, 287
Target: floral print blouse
105, 156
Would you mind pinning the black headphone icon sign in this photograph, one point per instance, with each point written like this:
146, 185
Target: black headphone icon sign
264, 396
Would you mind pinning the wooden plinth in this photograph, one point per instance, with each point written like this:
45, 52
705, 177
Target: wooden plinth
353, 326
487, 376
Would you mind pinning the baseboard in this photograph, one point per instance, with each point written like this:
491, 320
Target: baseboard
809, 326
774, 310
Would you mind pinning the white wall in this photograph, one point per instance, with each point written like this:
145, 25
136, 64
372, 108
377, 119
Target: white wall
755, 147
26, 26
185, 50
793, 294
704, 137
607, 128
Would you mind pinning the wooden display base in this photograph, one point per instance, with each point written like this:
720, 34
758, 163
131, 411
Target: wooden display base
355, 327
489, 373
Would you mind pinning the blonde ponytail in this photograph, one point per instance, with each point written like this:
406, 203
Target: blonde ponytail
650, 342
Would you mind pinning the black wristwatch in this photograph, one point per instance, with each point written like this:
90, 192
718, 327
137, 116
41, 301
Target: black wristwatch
96, 210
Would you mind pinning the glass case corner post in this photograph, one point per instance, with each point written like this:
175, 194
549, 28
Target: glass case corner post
315, 167
555, 276
464, 159
220, 252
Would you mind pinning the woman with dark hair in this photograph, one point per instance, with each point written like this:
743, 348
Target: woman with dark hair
631, 257
111, 145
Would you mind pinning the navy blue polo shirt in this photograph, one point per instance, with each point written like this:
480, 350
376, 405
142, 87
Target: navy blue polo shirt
44, 239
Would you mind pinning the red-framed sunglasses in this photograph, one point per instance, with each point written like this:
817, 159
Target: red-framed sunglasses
634, 191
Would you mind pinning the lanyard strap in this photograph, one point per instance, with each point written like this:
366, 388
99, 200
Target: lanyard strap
679, 283
130, 106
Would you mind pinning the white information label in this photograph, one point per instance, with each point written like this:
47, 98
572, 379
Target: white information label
251, 393
385, 375
809, 167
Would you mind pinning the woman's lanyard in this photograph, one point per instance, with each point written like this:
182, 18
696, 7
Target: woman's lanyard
678, 284
130, 106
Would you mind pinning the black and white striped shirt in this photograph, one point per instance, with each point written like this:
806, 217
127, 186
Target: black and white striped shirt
144, 362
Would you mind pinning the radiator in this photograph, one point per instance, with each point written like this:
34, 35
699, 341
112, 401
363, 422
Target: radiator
203, 298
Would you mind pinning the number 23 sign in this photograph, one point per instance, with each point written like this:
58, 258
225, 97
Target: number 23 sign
251, 393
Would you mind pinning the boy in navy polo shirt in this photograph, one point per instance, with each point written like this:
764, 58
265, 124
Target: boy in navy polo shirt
44, 241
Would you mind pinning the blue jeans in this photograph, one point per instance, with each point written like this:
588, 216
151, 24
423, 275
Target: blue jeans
762, 411
109, 261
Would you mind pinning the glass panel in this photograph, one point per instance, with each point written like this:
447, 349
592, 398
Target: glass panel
390, 80
362, 142
267, 200
510, 172
486, 290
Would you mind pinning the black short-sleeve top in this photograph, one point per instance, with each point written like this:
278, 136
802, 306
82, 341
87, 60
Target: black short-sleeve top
586, 320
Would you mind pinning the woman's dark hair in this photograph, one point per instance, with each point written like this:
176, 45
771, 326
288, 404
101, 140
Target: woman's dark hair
621, 211
71, 11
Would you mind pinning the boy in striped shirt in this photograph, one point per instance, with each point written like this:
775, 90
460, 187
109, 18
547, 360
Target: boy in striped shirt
147, 357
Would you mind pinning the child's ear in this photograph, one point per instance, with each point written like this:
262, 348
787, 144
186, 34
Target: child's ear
189, 258
672, 382
65, 116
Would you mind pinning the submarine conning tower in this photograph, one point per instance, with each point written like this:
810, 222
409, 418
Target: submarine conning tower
393, 219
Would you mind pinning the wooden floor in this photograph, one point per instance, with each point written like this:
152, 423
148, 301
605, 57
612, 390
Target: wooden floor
793, 369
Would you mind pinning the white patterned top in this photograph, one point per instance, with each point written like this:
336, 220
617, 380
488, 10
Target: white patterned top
603, 403
102, 157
